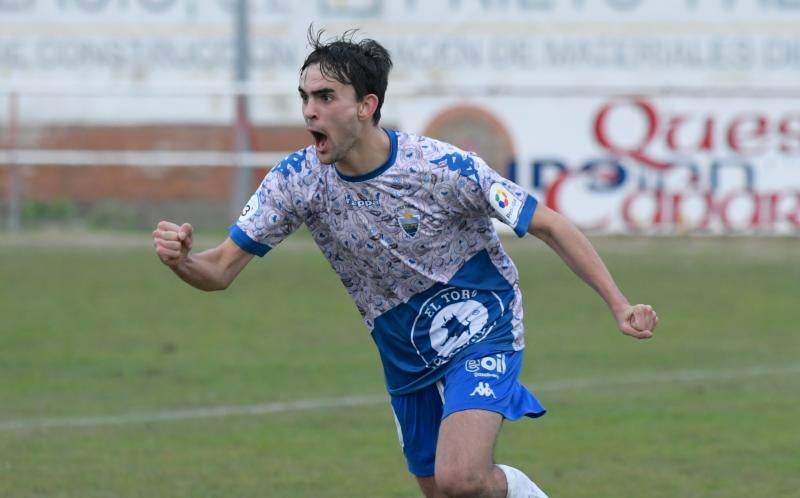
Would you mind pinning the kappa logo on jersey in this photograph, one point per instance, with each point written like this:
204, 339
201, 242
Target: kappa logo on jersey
483, 389
492, 366
409, 221
460, 162
292, 162
506, 205
250, 208
451, 320
363, 202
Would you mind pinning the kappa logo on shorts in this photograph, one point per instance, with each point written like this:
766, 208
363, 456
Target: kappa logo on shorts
483, 389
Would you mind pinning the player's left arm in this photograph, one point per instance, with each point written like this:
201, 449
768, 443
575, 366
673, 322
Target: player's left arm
578, 253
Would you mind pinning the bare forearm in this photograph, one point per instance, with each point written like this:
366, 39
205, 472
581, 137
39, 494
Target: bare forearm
202, 271
209, 270
578, 253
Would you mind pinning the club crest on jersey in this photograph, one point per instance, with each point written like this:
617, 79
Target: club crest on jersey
451, 320
504, 203
409, 221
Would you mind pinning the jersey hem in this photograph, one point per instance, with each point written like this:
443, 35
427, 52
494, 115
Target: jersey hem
425, 381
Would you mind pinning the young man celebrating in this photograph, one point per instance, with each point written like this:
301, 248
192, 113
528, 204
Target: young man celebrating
405, 221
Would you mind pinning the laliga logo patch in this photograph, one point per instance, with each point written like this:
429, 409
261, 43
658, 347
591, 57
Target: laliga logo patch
451, 320
250, 208
506, 205
409, 221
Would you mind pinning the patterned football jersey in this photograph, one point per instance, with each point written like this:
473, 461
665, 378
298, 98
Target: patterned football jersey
413, 244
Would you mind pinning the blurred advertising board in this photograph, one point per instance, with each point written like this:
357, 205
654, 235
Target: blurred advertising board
636, 164
619, 43
652, 116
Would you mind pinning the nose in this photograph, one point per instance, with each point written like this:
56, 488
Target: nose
309, 111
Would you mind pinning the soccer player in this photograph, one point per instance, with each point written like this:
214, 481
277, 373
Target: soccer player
405, 222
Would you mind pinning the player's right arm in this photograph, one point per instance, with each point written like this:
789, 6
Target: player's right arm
209, 270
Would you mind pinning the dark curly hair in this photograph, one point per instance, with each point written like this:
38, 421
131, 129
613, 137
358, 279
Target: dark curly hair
364, 64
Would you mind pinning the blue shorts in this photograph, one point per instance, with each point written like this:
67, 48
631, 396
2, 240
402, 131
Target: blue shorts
480, 381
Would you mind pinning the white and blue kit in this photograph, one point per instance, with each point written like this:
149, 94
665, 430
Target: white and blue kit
415, 247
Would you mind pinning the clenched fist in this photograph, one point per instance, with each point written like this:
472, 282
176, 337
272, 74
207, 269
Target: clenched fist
638, 321
172, 242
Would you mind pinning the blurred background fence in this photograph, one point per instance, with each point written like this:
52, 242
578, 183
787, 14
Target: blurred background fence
629, 116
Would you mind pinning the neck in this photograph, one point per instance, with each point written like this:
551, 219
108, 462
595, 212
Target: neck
369, 153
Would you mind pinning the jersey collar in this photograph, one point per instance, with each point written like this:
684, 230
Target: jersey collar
383, 167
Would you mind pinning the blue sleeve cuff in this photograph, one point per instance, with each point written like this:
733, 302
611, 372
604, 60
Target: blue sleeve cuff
241, 239
525, 216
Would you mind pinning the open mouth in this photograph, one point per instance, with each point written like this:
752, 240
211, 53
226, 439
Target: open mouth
320, 140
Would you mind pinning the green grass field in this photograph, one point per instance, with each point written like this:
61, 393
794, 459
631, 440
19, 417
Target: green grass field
107, 363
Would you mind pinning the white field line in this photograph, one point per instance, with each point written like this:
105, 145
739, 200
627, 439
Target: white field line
632, 379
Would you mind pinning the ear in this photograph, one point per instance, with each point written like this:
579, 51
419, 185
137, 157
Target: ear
367, 106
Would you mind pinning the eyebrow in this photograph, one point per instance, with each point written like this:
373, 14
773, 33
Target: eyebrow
321, 91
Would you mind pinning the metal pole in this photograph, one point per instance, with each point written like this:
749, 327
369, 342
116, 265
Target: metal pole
14, 181
242, 127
